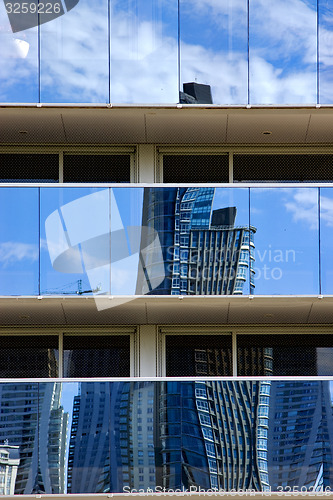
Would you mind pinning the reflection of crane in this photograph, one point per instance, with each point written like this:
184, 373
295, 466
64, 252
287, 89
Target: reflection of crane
68, 289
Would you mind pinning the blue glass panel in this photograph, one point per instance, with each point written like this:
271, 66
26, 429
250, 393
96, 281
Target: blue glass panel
325, 12
282, 47
74, 55
203, 241
126, 233
287, 240
19, 241
144, 51
214, 50
89, 460
75, 229
20, 405
326, 240
268, 435
19, 56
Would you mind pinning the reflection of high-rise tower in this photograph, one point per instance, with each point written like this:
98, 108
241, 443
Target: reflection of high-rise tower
302, 435
9, 461
136, 419
219, 430
204, 253
33, 420
89, 447
113, 437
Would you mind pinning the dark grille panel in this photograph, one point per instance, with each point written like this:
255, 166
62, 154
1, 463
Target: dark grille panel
29, 356
29, 168
97, 356
198, 355
195, 168
285, 355
283, 168
97, 168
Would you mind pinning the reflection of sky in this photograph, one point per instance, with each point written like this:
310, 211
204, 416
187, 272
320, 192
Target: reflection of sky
144, 52
286, 241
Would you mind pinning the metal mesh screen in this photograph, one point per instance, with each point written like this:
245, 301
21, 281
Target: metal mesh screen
97, 356
284, 355
97, 168
283, 167
29, 356
198, 355
195, 168
29, 168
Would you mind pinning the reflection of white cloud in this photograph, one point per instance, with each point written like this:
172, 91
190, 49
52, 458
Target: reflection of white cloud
326, 210
12, 252
304, 207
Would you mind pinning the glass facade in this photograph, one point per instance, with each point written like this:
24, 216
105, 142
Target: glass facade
165, 435
140, 51
165, 240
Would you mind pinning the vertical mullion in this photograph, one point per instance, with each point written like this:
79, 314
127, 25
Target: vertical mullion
61, 166
234, 354
231, 167
61, 354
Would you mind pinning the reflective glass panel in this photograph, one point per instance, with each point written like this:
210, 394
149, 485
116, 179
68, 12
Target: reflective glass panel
89, 459
286, 240
19, 436
300, 435
283, 355
196, 355
144, 51
282, 48
145, 435
325, 12
326, 240
19, 241
127, 232
96, 356
74, 54
213, 51
19, 55
195, 241
75, 230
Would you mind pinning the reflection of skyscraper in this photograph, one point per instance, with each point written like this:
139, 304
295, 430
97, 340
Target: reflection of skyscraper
214, 435
204, 253
31, 417
9, 461
113, 437
135, 425
89, 449
300, 440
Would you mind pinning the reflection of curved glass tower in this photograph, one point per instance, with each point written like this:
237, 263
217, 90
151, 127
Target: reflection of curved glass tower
89, 450
204, 253
301, 439
214, 435
33, 420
